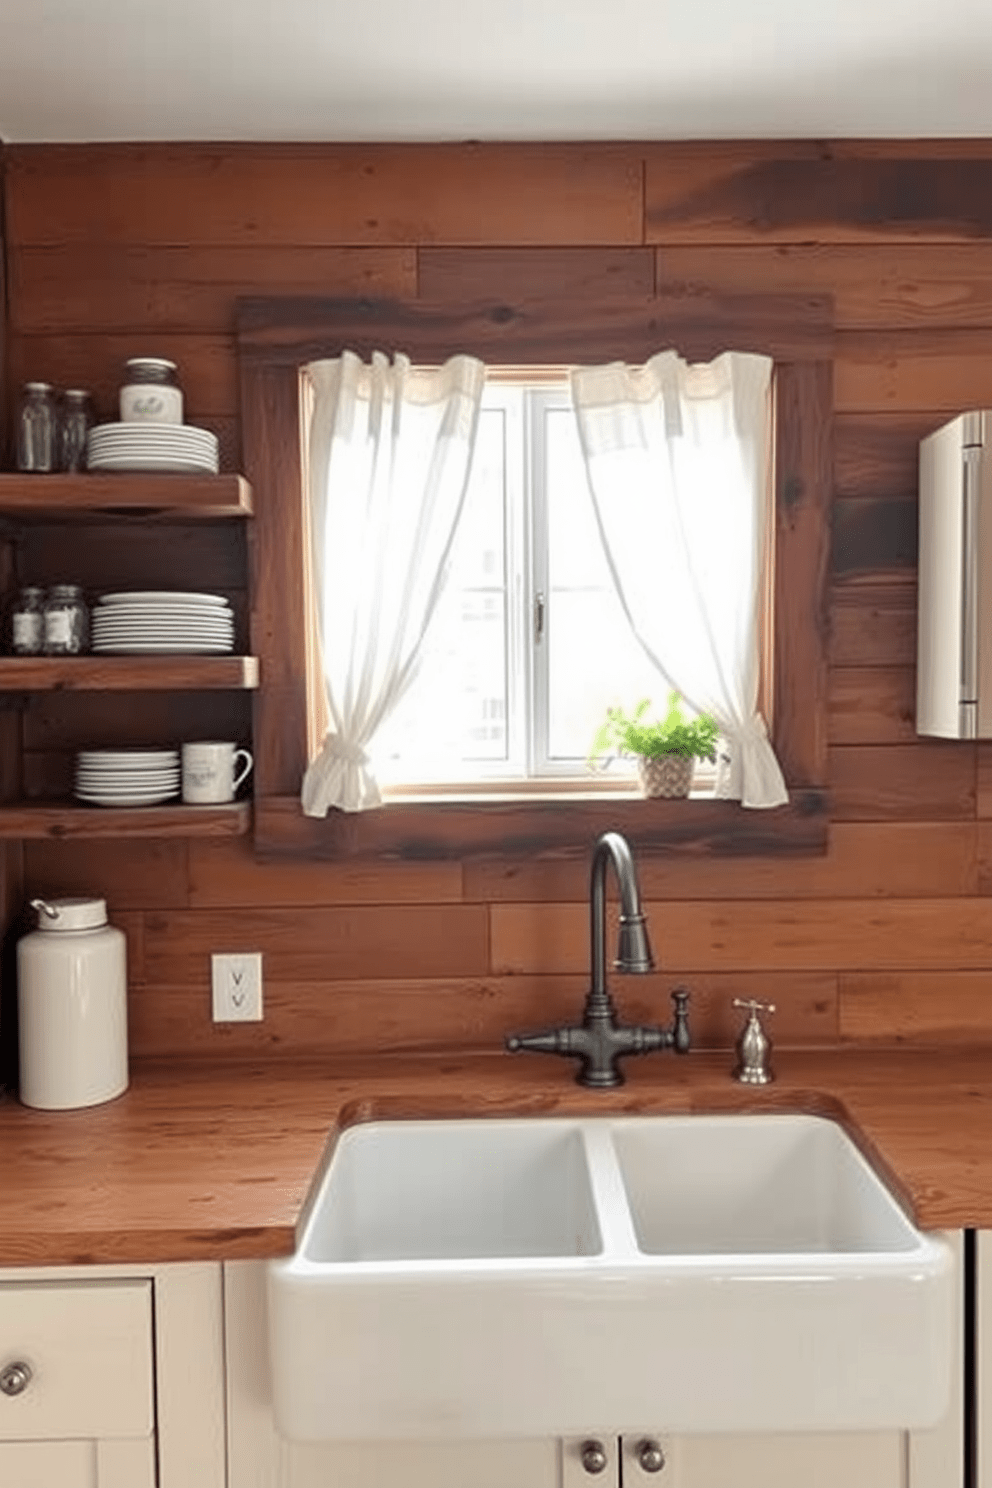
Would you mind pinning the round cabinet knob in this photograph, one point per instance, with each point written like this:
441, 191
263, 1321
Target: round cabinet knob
650, 1457
15, 1378
593, 1456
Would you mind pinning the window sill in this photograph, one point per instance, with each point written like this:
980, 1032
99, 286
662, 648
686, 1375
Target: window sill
439, 830
595, 786
457, 795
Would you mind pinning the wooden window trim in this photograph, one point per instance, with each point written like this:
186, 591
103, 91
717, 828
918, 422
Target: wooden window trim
277, 336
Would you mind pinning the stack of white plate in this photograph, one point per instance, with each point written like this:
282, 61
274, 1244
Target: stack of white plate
140, 446
159, 621
127, 777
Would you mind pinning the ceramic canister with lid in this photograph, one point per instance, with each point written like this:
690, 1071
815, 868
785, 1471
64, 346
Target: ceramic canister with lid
72, 1006
151, 393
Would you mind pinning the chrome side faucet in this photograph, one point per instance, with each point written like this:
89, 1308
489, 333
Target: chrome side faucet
600, 1041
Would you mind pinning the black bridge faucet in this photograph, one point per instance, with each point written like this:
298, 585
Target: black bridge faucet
599, 1041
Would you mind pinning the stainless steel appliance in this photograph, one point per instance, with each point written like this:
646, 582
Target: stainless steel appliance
954, 604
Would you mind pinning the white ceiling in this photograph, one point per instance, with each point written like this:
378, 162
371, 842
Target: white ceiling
75, 70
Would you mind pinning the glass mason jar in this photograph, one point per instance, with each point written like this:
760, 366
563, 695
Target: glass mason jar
37, 429
27, 622
67, 621
151, 392
75, 422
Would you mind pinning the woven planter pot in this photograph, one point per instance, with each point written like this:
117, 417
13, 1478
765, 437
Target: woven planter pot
668, 775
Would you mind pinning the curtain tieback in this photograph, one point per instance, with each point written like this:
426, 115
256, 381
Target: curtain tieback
751, 774
751, 731
338, 748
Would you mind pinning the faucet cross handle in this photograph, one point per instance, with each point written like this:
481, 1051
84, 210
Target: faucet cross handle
752, 1006
754, 1046
680, 1024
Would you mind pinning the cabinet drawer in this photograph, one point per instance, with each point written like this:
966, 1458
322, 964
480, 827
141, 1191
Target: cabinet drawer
89, 1351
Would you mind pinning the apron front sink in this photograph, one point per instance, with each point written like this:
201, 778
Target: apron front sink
535, 1277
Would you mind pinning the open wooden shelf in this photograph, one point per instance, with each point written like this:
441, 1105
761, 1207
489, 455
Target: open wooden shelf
34, 819
30, 504
188, 673
124, 493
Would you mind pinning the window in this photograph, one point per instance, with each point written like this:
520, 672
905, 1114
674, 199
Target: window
276, 338
530, 643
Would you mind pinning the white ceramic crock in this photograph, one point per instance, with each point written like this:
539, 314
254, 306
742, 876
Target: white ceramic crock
72, 1006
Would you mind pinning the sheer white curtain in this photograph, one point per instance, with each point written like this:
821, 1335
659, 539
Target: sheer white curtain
678, 459
390, 449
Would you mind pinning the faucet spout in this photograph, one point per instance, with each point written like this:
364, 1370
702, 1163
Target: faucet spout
600, 1040
634, 950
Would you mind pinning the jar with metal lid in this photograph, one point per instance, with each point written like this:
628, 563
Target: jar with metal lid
151, 392
72, 1006
27, 622
37, 429
75, 422
67, 621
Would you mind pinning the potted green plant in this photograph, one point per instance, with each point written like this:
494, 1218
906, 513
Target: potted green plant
665, 749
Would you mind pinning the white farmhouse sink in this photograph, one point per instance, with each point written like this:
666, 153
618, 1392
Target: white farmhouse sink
455, 1191
555, 1276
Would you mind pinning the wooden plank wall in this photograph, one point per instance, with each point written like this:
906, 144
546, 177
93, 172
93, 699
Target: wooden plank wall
115, 251
11, 886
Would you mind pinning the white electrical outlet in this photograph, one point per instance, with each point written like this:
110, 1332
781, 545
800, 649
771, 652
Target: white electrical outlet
237, 987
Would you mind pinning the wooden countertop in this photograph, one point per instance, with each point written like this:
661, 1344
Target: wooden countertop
214, 1162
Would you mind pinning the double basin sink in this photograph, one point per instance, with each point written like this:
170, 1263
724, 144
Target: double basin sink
554, 1276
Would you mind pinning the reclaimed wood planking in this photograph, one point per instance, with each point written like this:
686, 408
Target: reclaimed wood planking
873, 286
873, 621
932, 780
448, 1015
319, 195
800, 191
862, 861
112, 288
809, 935
872, 705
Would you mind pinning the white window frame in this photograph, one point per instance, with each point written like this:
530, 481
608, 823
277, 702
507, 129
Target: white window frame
538, 400
524, 396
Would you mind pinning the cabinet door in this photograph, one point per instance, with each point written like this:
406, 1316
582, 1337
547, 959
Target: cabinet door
983, 1359
443, 1464
126, 1464
868, 1459
101, 1409
78, 1464
48, 1465
86, 1352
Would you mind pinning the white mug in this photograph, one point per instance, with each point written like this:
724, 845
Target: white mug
209, 771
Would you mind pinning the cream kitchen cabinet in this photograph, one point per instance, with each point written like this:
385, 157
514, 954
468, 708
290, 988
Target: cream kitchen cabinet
76, 1383
983, 1360
869, 1460
111, 1377
260, 1458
